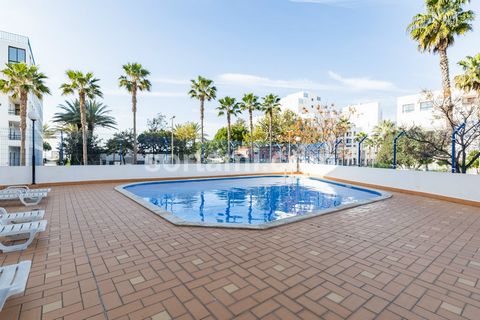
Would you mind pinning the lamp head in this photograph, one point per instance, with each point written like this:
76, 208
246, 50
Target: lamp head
32, 115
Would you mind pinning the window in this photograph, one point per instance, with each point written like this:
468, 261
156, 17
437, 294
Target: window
406, 108
425, 106
300, 101
14, 109
305, 95
16, 55
319, 99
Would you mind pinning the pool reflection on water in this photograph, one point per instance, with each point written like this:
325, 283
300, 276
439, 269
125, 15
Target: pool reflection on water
252, 200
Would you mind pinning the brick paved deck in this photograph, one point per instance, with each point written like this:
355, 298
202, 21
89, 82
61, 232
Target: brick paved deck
105, 257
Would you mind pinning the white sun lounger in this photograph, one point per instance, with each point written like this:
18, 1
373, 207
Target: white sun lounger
13, 280
27, 188
29, 197
20, 217
26, 230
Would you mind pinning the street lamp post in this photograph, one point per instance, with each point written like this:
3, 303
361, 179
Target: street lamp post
359, 152
398, 136
289, 142
454, 141
32, 115
172, 137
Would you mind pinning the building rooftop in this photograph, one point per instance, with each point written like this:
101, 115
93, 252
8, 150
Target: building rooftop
105, 257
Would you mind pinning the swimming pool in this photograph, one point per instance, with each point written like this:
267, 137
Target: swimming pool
246, 202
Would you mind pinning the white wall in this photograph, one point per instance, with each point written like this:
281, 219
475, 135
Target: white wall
460, 186
59, 174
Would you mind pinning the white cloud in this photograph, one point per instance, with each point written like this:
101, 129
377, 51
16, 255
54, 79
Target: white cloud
364, 83
248, 80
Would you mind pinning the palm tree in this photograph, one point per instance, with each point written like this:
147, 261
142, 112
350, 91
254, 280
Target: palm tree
470, 79
270, 105
86, 85
21, 81
229, 107
435, 31
203, 90
97, 114
250, 103
135, 79
189, 131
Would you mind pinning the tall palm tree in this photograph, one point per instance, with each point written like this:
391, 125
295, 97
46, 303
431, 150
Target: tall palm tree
21, 81
135, 79
203, 90
229, 107
435, 31
97, 114
470, 79
250, 102
270, 105
86, 86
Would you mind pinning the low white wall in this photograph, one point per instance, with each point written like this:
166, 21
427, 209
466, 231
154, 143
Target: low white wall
460, 186
59, 174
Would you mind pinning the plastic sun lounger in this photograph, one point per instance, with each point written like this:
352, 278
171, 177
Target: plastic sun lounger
21, 231
27, 188
20, 217
13, 280
29, 197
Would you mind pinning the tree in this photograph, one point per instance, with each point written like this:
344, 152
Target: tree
203, 90
21, 81
470, 79
188, 133
228, 107
134, 80
86, 86
440, 140
97, 115
158, 123
47, 132
121, 142
474, 154
250, 103
435, 31
270, 104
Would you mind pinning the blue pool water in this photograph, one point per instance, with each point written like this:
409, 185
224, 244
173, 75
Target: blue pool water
252, 200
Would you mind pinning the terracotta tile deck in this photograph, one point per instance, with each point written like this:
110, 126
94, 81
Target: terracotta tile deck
105, 257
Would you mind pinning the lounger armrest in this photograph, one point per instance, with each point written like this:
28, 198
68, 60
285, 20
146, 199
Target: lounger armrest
3, 296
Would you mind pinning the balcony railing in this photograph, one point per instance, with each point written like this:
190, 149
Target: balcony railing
15, 112
14, 134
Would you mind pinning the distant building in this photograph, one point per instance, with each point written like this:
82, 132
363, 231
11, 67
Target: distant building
303, 103
14, 49
364, 117
418, 110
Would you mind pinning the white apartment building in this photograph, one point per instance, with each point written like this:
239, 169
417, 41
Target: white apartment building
303, 103
364, 117
14, 49
418, 110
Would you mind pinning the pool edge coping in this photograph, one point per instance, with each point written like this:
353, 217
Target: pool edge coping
170, 217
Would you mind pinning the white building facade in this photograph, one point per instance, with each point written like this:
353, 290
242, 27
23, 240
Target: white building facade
14, 49
303, 103
364, 117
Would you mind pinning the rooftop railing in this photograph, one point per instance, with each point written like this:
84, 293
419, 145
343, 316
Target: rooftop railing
13, 37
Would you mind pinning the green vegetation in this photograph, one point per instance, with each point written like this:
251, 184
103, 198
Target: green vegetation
21, 80
134, 80
86, 86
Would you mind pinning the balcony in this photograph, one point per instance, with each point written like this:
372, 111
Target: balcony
14, 134
14, 112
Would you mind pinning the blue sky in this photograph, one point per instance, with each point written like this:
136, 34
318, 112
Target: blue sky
347, 51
